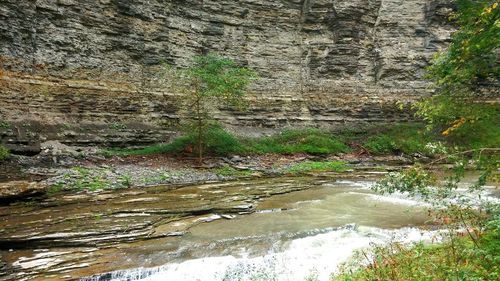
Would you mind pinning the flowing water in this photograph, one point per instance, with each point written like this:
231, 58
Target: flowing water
270, 229
294, 236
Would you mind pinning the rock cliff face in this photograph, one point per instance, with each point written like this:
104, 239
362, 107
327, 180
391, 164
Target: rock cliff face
88, 72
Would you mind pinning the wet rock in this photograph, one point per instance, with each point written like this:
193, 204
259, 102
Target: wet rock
20, 189
228, 217
55, 148
351, 226
236, 158
210, 218
178, 233
130, 215
23, 147
354, 161
392, 160
242, 168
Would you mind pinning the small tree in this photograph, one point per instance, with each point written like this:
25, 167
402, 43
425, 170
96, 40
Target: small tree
209, 82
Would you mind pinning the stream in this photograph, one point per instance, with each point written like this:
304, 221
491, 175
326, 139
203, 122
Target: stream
267, 229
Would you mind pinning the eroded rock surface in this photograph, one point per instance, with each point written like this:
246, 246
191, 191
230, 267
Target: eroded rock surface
86, 72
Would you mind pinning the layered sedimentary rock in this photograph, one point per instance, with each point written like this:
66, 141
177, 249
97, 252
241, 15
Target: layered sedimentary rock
89, 72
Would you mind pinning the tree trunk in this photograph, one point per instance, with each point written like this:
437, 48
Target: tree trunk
200, 130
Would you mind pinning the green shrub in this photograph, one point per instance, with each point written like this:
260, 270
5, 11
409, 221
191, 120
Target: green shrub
380, 144
457, 258
482, 133
216, 142
220, 142
407, 138
210, 81
311, 141
465, 70
412, 138
4, 125
4, 153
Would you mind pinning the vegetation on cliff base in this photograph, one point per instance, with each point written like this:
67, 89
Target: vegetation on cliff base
216, 142
400, 138
403, 138
219, 142
310, 141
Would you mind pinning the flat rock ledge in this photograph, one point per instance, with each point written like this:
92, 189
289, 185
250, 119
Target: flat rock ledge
13, 190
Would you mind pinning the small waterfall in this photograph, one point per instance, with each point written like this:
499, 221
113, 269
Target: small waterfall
316, 254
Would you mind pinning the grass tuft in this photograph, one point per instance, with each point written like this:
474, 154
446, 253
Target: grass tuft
217, 142
307, 167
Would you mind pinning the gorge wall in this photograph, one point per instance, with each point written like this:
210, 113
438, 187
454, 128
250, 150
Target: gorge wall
89, 72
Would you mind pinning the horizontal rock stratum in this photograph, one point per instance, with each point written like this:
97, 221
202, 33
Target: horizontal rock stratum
88, 72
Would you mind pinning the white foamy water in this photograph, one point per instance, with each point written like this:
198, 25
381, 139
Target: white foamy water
473, 197
318, 255
359, 184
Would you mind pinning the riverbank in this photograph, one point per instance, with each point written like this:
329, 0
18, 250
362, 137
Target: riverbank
69, 212
94, 174
59, 169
